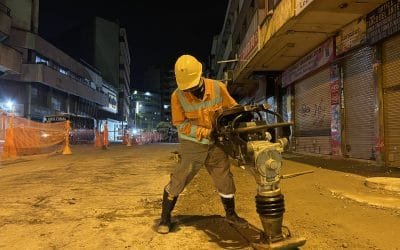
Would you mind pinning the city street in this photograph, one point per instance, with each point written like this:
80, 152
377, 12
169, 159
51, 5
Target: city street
111, 199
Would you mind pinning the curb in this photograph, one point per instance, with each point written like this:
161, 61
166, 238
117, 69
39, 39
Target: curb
384, 183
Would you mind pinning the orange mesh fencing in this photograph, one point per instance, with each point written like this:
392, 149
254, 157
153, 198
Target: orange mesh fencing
147, 137
23, 137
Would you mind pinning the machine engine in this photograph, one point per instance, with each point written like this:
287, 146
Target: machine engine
244, 133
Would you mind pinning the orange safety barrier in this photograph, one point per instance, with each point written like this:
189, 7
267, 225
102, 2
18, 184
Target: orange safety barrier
147, 137
105, 136
67, 147
23, 137
98, 140
9, 149
128, 140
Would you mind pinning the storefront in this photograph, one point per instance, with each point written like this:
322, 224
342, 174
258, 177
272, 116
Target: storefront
383, 31
313, 113
391, 99
359, 105
359, 92
116, 129
311, 77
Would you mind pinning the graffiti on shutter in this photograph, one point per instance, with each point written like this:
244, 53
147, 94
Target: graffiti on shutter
313, 114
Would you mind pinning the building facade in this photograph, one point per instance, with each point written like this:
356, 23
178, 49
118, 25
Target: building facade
331, 68
146, 110
124, 76
168, 86
37, 78
104, 45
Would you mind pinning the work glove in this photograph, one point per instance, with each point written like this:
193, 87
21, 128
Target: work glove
204, 118
207, 116
202, 133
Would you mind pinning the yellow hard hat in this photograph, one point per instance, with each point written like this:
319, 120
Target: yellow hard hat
187, 72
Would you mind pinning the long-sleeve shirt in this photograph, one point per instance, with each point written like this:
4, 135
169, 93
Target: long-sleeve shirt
194, 117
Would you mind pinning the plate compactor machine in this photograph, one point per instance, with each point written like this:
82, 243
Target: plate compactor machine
245, 134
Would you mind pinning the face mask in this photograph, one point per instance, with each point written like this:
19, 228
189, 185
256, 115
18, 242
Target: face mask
199, 93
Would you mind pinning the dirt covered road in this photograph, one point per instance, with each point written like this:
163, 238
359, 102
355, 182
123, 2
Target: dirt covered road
111, 199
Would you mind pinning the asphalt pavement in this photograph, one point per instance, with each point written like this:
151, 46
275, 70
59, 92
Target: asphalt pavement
111, 199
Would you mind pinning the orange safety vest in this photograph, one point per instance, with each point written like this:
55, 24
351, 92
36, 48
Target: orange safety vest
189, 114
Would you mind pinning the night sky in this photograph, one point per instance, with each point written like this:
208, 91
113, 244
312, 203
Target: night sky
158, 31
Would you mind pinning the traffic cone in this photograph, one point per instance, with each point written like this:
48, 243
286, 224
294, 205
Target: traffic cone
97, 142
105, 136
67, 147
9, 148
134, 140
128, 140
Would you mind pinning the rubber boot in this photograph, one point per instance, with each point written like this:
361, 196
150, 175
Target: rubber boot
168, 205
231, 216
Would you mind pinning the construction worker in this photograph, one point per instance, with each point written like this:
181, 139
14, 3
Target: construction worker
194, 105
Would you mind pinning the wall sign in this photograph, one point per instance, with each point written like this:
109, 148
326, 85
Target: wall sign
312, 61
383, 21
249, 45
301, 5
350, 36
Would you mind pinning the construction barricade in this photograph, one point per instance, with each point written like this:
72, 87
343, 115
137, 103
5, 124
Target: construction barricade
127, 140
101, 139
147, 137
23, 137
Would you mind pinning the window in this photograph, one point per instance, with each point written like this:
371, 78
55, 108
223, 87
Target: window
55, 103
63, 71
41, 60
34, 92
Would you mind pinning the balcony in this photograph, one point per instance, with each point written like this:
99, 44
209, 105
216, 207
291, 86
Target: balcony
5, 22
294, 30
10, 60
30, 41
41, 73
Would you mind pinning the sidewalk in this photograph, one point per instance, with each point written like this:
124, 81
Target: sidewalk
373, 185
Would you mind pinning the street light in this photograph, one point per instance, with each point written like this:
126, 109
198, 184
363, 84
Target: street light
137, 110
9, 105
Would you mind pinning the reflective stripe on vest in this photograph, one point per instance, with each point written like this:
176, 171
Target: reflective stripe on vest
197, 106
187, 107
192, 135
203, 140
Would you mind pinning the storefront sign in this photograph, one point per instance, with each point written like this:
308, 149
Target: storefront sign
55, 118
301, 5
335, 93
383, 21
249, 49
351, 36
249, 45
312, 61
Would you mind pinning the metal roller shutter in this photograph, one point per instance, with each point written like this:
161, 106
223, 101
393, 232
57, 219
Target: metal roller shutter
313, 114
359, 101
391, 62
391, 100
